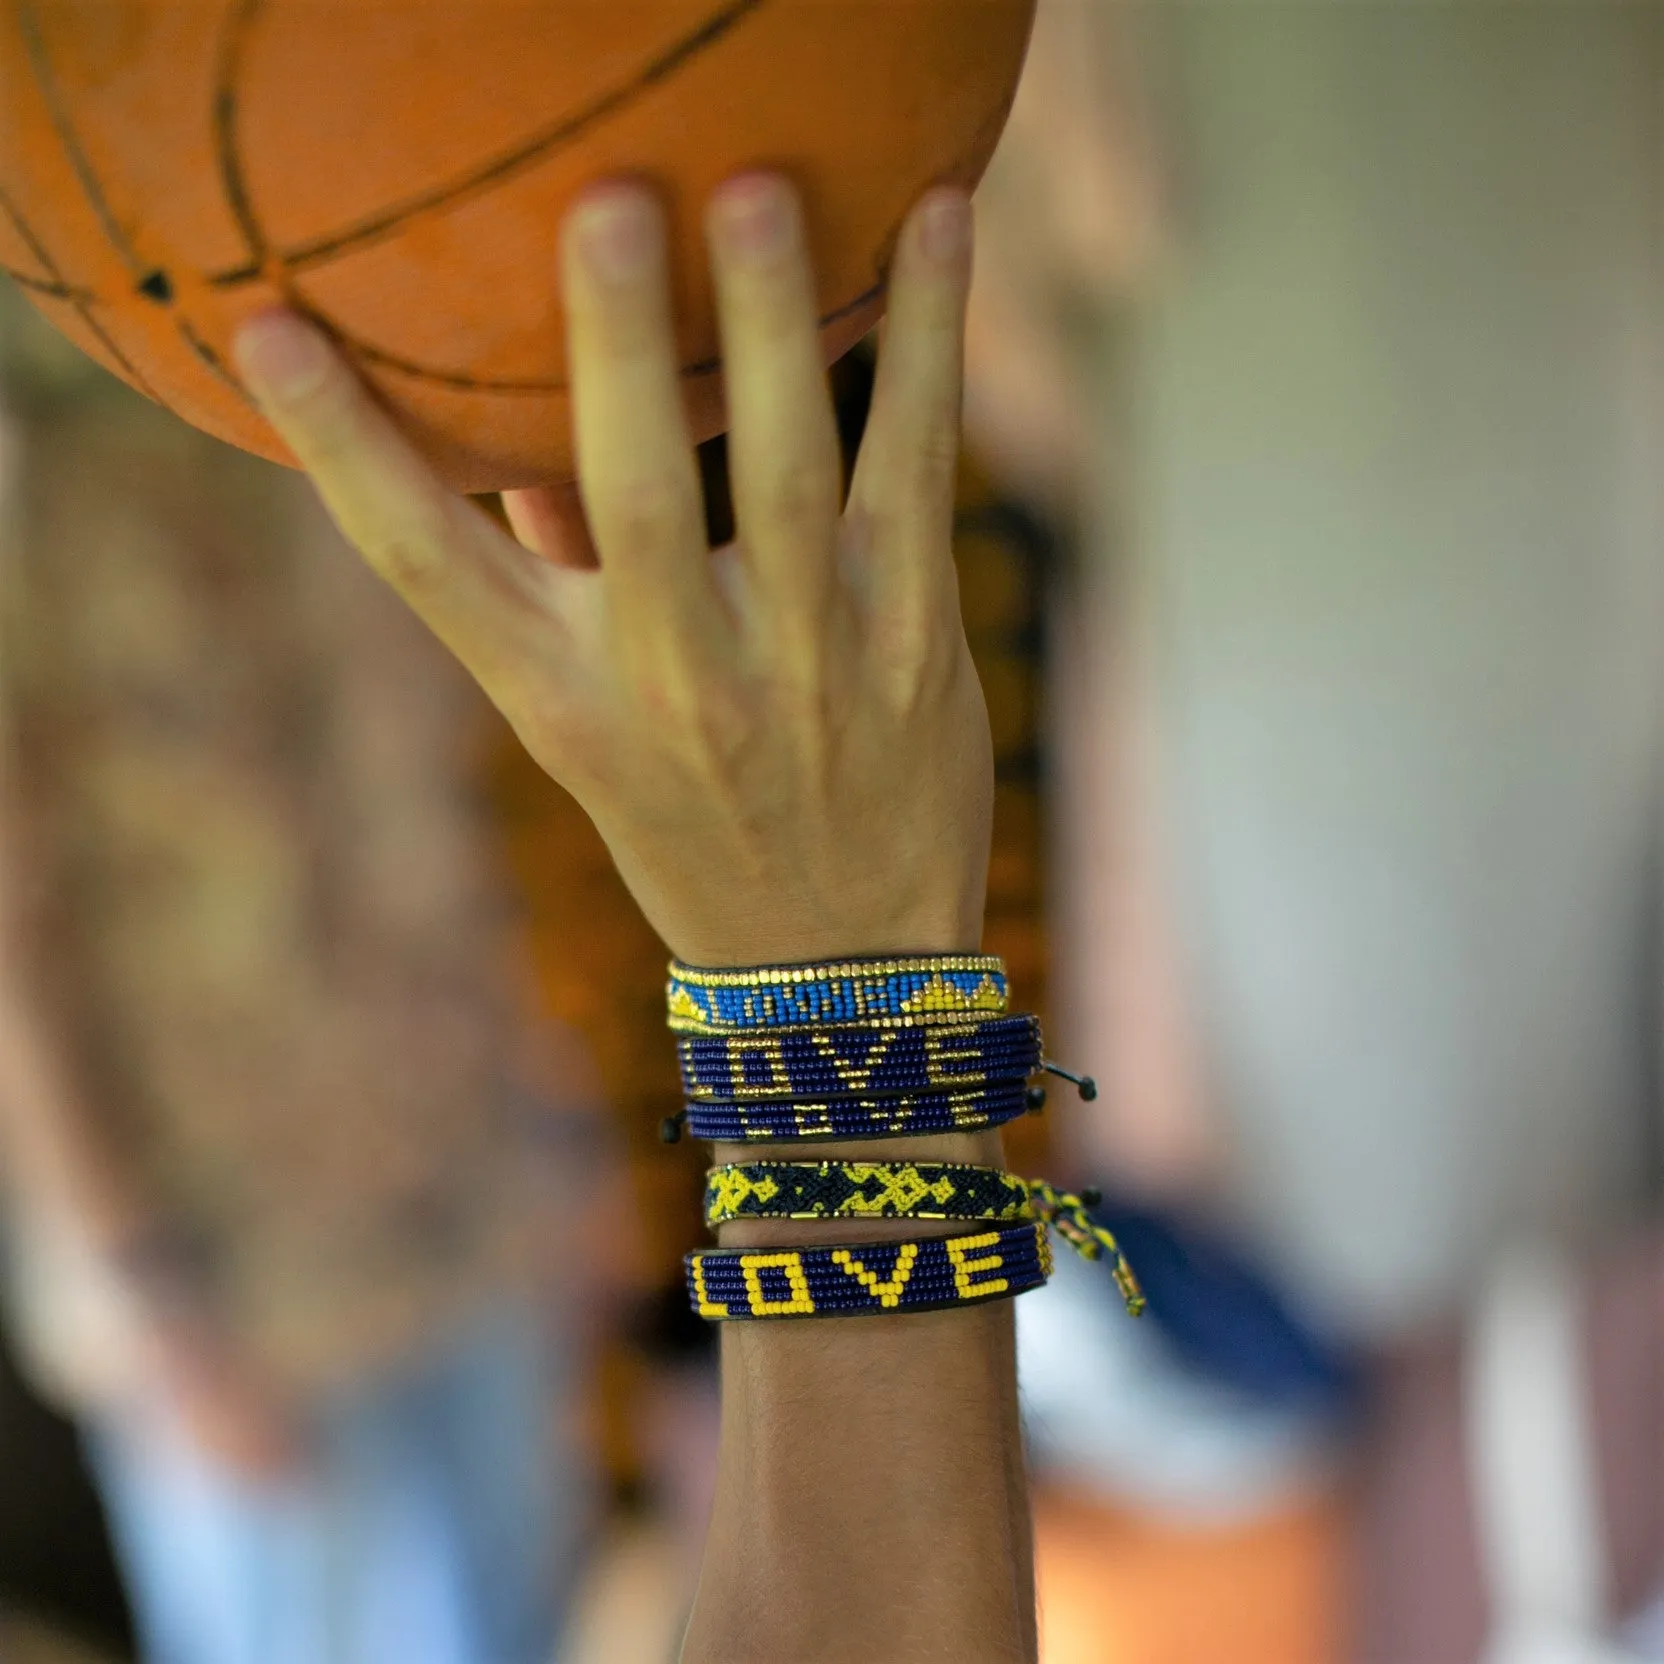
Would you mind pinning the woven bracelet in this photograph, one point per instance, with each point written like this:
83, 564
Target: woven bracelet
919, 1114
889, 992
1071, 1217
861, 1278
858, 1060
863, 1190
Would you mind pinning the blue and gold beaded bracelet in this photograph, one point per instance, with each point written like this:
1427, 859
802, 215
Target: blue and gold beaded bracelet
862, 1278
904, 992
858, 1060
862, 1190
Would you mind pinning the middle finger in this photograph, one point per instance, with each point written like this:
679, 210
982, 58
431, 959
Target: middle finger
636, 466
783, 442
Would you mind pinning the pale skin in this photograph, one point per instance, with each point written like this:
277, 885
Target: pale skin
786, 748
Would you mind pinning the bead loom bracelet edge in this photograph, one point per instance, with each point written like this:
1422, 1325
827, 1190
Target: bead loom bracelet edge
879, 965
832, 1009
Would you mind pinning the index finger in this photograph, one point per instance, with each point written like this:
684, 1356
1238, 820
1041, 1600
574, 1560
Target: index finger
489, 601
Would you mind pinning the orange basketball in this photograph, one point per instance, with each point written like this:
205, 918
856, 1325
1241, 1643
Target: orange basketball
399, 171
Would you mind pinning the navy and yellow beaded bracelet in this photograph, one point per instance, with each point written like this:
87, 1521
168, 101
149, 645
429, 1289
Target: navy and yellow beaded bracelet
858, 1060
863, 1190
862, 1278
914, 1114
903, 992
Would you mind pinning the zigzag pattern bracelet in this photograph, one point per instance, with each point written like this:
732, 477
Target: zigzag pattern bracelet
858, 1060
920, 1114
886, 991
730, 1284
862, 1190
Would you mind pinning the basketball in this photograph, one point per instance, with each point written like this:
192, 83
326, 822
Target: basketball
399, 173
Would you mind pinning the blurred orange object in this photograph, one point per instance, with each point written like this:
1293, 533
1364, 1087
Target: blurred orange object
1119, 1588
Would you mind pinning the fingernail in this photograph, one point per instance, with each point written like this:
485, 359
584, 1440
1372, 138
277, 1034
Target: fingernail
945, 226
282, 359
754, 217
617, 234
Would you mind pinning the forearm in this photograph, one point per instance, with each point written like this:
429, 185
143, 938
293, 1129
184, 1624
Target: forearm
871, 1502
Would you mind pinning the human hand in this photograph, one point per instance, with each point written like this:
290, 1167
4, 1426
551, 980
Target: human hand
784, 744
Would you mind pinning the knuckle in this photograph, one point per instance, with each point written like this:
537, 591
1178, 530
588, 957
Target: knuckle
798, 501
915, 488
644, 514
410, 555
936, 451
768, 299
915, 649
725, 737
778, 318
328, 420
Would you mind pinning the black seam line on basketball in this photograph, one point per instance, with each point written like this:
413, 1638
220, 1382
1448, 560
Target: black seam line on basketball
464, 383
233, 181
81, 302
46, 81
212, 359
31, 242
142, 271
43, 286
709, 366
529, 154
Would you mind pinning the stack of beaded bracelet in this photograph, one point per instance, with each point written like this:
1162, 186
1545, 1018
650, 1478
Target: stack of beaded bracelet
913, 1190
865, 1049
858, 1050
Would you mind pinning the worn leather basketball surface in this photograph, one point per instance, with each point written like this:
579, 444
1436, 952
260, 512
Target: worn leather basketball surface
399, 170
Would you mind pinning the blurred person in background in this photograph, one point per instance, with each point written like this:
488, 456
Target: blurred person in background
287, 1215
1336, 332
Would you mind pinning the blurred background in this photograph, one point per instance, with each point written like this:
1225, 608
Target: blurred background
1310, 549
